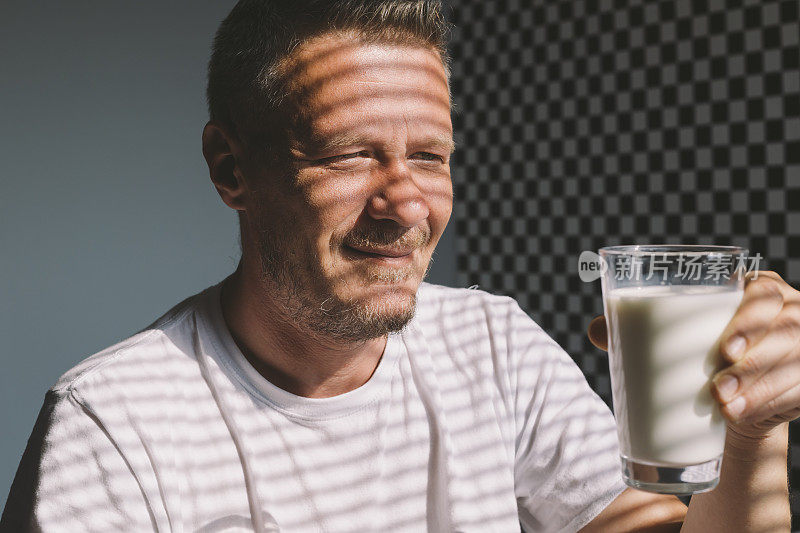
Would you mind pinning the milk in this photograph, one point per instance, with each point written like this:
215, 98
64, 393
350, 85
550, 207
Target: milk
663, 349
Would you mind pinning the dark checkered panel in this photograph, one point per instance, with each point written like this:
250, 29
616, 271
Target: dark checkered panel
585, 123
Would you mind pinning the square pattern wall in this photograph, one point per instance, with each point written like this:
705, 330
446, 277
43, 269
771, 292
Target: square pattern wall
583, 124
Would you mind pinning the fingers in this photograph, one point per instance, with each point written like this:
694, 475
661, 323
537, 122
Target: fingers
783, 407
760, 274
598, 332
770, 368
761, 303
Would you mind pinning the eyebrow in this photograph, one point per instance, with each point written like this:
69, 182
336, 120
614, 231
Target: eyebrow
445, 142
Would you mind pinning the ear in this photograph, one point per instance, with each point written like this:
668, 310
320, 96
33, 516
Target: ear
220, 148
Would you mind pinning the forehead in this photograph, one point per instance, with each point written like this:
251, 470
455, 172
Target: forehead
341, 83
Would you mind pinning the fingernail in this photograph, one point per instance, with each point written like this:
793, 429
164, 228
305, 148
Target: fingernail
727, 386
735, 346
736, 407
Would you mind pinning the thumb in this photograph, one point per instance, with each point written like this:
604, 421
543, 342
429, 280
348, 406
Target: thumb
597, 332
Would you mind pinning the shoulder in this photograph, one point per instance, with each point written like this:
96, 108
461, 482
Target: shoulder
474, 325
153, 354
438, 300
487, 330
471, 310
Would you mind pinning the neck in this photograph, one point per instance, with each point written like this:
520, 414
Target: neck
285, 353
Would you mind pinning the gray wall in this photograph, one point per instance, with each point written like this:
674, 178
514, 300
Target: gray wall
108, 215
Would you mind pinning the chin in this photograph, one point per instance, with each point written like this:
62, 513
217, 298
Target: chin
367, 317
388, 314
365, 307
390, 293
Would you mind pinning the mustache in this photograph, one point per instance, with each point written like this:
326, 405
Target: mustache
388, 235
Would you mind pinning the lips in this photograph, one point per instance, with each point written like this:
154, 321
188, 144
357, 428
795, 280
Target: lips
388, 251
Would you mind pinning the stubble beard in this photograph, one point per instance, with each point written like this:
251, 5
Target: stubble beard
307, 299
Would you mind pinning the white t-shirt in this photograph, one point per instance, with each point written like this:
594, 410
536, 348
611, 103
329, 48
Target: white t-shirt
474, 421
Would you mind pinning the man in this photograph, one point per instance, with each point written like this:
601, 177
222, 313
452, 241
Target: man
321, 387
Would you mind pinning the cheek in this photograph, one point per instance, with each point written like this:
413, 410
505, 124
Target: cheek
334, 207
326, 192
440, 203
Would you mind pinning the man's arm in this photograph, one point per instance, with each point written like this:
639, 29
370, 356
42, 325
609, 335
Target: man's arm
73, 478
752, 495
639, 511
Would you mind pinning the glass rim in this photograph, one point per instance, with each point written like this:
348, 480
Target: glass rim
672, 249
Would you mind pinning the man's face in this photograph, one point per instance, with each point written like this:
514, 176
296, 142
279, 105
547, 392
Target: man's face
346, 240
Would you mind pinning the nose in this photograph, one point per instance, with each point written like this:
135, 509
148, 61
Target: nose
399, 197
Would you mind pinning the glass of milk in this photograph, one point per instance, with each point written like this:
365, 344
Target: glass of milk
666, 307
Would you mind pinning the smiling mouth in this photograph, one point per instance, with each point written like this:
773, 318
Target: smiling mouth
381, 253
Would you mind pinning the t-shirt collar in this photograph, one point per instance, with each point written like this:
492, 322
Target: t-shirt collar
238, 368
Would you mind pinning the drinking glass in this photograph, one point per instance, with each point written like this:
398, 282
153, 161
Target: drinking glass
666, 307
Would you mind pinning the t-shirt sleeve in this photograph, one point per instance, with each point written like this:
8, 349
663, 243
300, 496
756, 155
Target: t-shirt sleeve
73, 478
567, 466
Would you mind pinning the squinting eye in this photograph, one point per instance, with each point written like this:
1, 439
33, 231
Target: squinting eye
427, 156
344, 157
